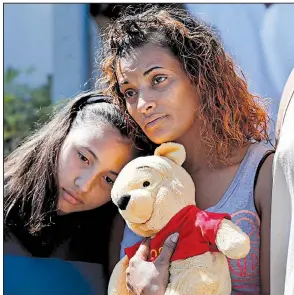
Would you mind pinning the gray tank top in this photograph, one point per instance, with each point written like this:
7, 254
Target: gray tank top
238, 201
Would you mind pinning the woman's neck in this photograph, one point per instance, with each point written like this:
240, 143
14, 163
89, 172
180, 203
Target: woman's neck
210, 176
196, 156
198, 161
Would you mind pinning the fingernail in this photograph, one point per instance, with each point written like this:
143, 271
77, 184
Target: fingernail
175, 237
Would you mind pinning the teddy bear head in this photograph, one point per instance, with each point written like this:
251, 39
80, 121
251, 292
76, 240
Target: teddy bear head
150, 190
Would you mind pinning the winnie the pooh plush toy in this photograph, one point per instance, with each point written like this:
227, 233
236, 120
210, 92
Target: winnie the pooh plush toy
156, 197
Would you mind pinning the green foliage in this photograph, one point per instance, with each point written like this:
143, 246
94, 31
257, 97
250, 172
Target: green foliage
25, 108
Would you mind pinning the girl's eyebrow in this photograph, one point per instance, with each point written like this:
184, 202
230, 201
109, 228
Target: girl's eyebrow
114, 173
91, 152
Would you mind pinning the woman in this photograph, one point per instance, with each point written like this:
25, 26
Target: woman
171, 74
57, 194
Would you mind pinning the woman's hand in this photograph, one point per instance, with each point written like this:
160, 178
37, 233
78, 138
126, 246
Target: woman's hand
143, 277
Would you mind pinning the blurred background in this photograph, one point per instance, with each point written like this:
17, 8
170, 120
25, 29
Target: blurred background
51, 52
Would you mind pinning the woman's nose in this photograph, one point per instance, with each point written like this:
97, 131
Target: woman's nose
145, 103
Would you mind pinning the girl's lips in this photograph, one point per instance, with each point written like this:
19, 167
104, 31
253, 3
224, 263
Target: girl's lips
70, 198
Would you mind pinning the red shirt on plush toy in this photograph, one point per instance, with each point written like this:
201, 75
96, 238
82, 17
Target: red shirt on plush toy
197, 234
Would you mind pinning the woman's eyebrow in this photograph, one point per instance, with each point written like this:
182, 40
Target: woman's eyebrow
151, 69
124, 82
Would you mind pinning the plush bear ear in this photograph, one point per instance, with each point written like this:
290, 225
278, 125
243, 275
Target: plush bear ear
173, 151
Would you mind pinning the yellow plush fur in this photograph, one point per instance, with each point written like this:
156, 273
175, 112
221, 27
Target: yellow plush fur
156, 188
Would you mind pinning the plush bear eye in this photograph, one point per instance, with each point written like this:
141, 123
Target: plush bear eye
146, 183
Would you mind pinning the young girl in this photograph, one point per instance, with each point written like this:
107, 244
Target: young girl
57, 196
171, 74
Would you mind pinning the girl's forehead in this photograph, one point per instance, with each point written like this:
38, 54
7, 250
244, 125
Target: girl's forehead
91, 134
102, 131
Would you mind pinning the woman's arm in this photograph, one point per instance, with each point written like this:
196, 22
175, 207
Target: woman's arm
116, 237
263, 193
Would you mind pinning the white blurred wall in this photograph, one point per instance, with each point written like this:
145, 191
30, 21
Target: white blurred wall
54, 39
28, 35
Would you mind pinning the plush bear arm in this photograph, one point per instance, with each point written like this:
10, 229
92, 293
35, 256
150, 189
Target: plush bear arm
117, 284
232, 241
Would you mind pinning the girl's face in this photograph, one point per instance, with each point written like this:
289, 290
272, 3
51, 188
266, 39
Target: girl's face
158, 93
90, 160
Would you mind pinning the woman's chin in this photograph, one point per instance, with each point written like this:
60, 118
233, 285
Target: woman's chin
159, 137
162, 135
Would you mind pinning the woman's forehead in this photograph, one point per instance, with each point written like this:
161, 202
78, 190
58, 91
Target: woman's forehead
144, 58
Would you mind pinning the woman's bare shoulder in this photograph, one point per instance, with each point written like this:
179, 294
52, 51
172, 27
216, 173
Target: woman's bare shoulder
263, 189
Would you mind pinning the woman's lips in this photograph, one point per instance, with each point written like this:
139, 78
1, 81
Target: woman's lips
154, 121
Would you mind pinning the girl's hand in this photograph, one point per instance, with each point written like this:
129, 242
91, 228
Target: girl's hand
143, 277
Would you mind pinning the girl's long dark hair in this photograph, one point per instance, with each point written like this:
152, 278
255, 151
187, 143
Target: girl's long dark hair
30, 172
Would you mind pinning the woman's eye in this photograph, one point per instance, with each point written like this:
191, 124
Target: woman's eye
83, 158
129, 93
159, 79
108, 180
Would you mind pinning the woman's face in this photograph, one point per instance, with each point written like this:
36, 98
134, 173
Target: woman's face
158, 93
90, 159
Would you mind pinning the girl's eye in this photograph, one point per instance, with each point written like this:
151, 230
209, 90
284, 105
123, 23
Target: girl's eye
83, 158
159, 79
108, 180
129, 93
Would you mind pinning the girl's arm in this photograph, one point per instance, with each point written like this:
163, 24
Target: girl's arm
116, 237
263, 196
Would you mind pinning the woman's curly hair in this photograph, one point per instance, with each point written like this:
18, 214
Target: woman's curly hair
231, 115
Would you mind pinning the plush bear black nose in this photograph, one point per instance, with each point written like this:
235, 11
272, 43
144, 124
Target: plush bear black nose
123, 202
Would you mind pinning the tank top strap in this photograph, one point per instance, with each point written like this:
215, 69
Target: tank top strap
243, 182
252, 163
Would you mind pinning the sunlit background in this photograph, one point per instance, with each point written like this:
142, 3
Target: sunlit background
51, 52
